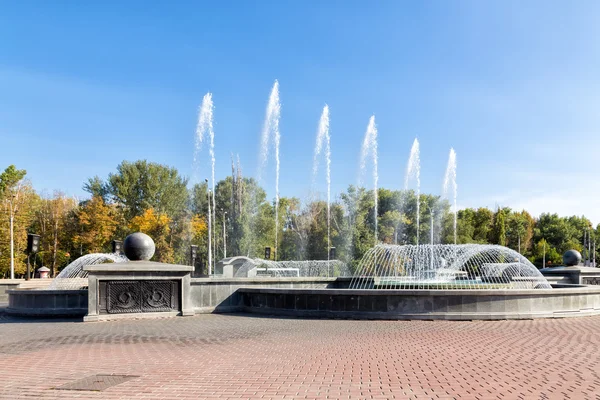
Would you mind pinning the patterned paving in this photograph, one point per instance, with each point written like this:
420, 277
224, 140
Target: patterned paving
244, 357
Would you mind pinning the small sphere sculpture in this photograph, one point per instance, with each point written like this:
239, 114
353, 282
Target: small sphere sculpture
571, 258
138, 247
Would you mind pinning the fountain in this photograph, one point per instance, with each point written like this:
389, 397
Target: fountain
309, 268
415, 281
73, 277
270, 133
203, 129
369, 150
450, 184
413, 171
324, 140
431, 266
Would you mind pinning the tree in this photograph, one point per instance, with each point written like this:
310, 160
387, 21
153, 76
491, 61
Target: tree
96, 226
520, 231
499, 231
10, 193
51, 220
483, 221
199, 229
141, 185
96, 187
155, 225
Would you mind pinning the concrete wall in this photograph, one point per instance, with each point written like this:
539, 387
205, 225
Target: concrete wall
48, 302
221, 294
5, 286
424, 304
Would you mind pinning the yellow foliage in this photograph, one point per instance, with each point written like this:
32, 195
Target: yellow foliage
157, 226
199, 227
150, 222
97, 225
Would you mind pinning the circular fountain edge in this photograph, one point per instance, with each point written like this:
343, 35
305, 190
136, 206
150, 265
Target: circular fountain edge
497, 304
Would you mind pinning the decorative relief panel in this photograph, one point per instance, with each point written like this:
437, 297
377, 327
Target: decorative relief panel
141, 296
591, 281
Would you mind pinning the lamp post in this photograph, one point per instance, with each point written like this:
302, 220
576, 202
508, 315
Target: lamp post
209, 231
193, 255
117, 246
544, 257
224, 235
589, 247
33, 246
10, 202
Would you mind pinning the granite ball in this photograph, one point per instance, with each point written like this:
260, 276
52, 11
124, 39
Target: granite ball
571, 258
138, 247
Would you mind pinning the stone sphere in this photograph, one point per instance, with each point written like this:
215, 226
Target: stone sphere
571, 258
138, 246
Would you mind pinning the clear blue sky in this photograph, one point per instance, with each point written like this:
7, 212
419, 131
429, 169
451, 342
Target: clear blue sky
513, 86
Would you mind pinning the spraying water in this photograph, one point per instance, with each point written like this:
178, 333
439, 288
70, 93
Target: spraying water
413, 171
271, 132
204, 128
369, 149
450, 183
323, 139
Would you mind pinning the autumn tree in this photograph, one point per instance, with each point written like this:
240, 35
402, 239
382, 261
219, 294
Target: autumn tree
96, 226
157, 226
18, 201
50, 222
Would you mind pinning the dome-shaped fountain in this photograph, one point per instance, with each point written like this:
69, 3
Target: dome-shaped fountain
467, 266
292, 269
73, 277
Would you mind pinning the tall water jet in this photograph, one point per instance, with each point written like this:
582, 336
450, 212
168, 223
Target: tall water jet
205, 128
324, 140
413, 171
369, 149
450, 184
271, 132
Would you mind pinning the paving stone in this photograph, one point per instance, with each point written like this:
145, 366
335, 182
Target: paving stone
244, 357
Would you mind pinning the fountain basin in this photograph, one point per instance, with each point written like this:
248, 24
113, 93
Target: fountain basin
494, 304
47, 303
331, 298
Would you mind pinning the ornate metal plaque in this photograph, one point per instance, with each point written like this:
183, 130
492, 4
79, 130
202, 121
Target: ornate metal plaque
141, 296
591, 281
158, 296
123, 297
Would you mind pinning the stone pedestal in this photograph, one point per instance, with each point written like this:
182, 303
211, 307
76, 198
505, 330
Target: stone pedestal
574, 275
138, 289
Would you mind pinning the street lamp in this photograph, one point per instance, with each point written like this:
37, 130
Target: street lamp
12, 210
117, 246
33, 246
193, 255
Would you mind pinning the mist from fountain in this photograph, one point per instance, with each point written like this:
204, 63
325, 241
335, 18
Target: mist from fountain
443, 266
450, 185
306, 268
204, 128
270, 133
324, 142
413, 172
369, 150
73, 277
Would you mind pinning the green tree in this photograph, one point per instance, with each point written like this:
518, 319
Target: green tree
17, 198
499, 231
141, 185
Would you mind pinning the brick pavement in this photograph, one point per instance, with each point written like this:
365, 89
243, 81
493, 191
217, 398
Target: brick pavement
245, 357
